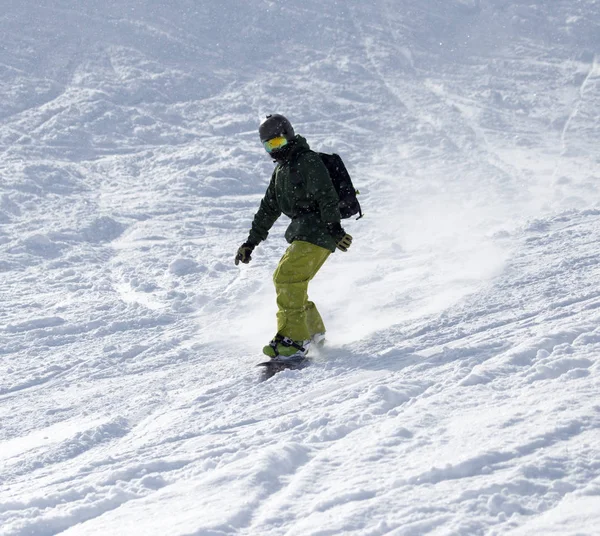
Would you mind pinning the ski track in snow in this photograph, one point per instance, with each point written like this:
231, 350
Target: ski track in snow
458, 390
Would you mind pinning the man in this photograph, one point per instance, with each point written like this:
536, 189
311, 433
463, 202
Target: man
301, 189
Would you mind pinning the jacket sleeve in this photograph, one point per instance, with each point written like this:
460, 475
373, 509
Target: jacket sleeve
320, 188
266, 216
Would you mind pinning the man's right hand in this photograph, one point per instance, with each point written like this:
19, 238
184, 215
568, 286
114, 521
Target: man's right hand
244, 253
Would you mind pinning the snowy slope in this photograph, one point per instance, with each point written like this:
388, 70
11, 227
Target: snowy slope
458, 392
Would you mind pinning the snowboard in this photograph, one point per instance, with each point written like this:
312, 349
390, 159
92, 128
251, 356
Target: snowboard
273, 366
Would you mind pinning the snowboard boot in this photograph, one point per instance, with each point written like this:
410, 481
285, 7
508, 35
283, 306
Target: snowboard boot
285, 349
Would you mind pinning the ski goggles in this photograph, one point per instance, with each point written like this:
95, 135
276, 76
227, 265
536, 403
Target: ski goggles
275, 143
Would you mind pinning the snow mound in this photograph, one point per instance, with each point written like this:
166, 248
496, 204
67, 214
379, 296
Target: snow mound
103, 229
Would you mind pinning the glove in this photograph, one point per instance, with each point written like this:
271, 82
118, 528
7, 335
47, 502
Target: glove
342, 239
244, 253
344, 243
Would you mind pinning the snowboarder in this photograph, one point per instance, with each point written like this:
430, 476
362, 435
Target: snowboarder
301, 189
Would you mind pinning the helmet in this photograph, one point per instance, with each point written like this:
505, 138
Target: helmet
275, 125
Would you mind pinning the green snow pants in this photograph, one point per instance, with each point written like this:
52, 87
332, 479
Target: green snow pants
297, 317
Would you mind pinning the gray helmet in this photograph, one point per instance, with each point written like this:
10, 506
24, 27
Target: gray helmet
275, 125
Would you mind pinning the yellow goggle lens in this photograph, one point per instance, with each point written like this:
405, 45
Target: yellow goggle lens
274, 143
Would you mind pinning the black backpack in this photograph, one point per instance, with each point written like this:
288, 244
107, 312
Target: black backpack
349, 205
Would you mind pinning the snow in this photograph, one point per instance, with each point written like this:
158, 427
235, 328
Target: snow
458, 389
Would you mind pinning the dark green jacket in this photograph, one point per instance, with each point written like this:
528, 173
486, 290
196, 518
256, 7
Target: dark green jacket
307, 197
